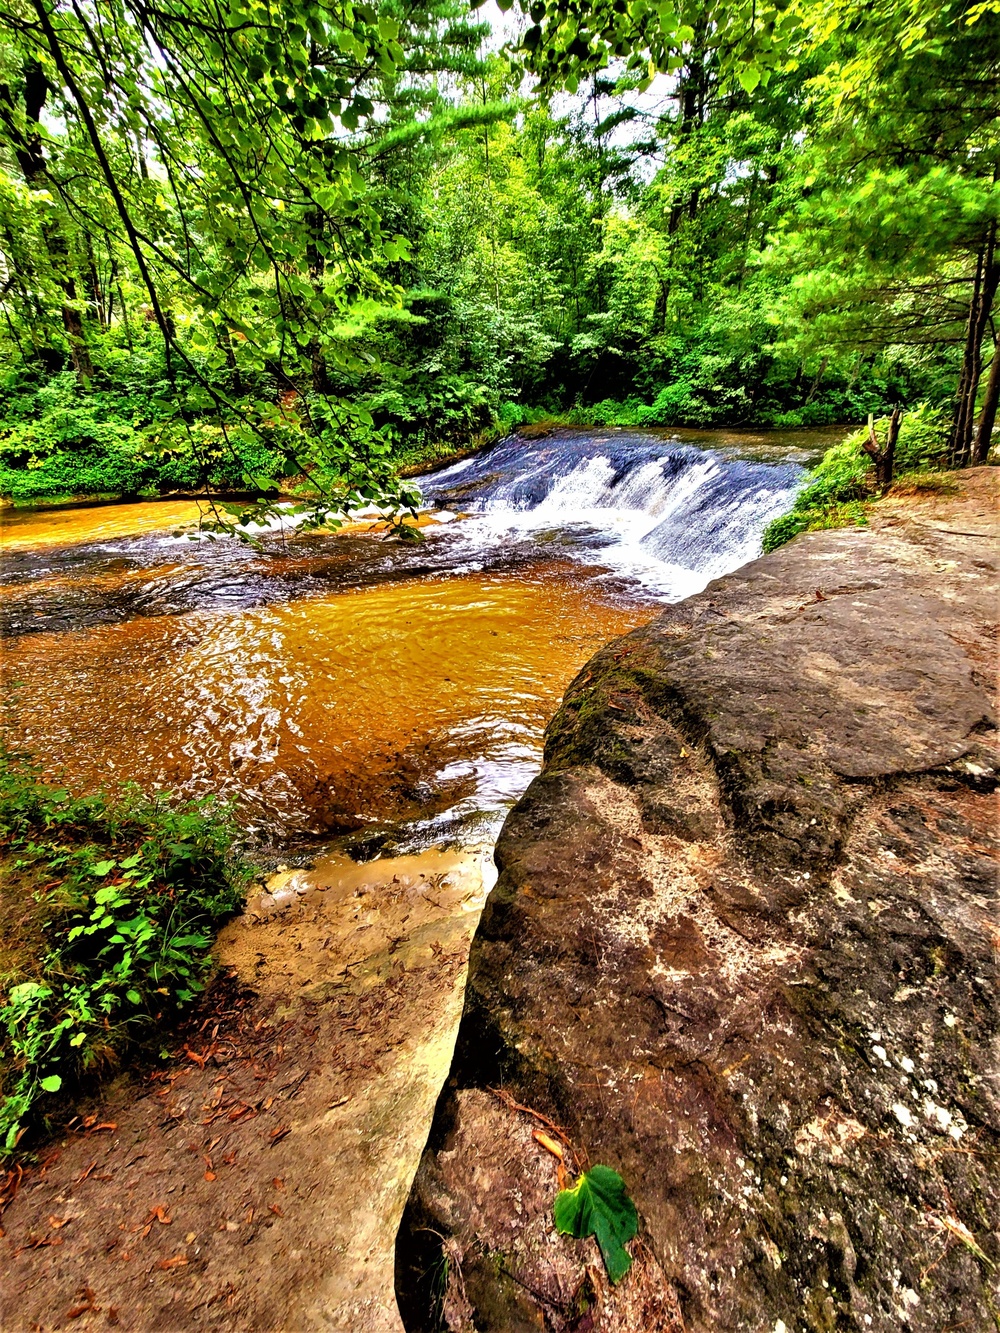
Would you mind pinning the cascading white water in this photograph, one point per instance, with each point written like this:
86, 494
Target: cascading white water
650, 511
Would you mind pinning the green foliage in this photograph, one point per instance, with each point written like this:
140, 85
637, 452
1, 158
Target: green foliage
228, 270
129, 894
598, 1205
57, 439
838, 486
197, 174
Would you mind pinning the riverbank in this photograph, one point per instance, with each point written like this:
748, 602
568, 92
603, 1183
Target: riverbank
743, 951
257, 1180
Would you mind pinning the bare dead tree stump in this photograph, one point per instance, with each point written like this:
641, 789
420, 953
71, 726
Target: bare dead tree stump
883, 455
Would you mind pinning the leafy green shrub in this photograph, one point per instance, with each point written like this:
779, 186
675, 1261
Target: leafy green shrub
678, 404
70, 445
129, 893
429, 407
844, 479
511, 415
57, 439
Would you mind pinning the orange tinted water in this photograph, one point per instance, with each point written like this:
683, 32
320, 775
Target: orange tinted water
321, 713
22, 529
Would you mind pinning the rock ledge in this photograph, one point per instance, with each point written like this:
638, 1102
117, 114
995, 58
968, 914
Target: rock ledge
743, 949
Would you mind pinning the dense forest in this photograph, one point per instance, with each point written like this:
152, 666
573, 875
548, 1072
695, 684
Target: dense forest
245, 241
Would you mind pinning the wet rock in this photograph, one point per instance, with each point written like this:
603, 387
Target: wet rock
743, 949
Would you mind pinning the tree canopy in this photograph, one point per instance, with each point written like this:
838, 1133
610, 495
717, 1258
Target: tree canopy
245, 242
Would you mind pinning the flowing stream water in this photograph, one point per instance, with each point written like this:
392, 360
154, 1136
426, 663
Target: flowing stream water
344, 682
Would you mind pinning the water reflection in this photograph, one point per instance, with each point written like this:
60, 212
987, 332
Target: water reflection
333, 683
389, 703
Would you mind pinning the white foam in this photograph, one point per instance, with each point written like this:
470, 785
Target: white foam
668, 529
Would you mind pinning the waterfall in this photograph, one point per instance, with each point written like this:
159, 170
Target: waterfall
648, 510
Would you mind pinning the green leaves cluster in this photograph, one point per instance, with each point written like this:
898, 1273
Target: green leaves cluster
839, 485
570, 40
351, 234
130, 894
197, 170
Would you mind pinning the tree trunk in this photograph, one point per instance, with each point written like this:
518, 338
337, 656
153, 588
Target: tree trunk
232, 365
817, 381
94, 287
988, 415
125, 319
30, 155
984, 288
317, 268
79, 352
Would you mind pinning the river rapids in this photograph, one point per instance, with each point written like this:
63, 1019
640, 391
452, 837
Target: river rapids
345, 685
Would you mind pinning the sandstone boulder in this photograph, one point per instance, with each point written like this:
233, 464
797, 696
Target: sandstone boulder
743, 949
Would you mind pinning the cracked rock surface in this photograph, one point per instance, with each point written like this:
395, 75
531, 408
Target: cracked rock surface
743, 949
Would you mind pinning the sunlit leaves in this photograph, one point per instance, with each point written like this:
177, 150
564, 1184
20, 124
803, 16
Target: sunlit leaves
570, 39
116, 953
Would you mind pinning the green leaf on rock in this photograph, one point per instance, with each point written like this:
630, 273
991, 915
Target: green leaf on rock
51, 1084
598, 1205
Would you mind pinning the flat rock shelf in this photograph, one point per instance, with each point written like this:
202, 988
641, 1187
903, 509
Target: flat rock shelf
743, 949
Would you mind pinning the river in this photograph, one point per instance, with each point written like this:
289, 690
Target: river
343, 683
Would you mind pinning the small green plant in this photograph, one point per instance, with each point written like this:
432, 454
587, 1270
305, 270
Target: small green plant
598, 1205
128, 895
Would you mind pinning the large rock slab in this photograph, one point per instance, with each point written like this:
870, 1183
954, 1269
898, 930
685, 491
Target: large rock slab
743, 949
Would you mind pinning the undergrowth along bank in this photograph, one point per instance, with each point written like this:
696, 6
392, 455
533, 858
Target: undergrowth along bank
109, 905
843, 484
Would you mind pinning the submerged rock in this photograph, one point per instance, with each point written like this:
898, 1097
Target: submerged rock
743, 950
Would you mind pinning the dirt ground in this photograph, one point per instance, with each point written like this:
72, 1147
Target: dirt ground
257, 1183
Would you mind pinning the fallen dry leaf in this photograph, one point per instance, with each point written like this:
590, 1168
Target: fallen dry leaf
548, 1143
176, 1262
87, 1306
40, 1242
